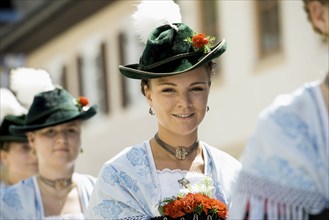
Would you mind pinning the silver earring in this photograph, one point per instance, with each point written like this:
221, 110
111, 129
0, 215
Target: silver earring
151, 111
208, 108
81, 150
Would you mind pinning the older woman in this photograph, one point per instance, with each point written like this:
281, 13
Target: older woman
53, 127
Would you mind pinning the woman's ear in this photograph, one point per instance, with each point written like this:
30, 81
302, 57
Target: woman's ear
3, 157
31, 138
148, 94
319, 16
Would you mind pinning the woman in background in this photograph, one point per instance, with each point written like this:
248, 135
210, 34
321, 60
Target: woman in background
53, 127
285, 171
18, 161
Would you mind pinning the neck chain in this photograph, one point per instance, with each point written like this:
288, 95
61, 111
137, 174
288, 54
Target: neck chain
179, 152
57, 184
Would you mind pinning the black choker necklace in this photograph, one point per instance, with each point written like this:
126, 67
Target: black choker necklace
57, 184
180, 152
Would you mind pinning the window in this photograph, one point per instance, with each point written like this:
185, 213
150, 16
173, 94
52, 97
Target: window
102, 79
269, 34
63, 79
80, 75
210, 23
125, 98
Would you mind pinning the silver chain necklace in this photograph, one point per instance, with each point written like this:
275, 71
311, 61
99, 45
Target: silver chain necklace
180, 152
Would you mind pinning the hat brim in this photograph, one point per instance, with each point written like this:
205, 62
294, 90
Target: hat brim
133, 71
19, 130
11, 138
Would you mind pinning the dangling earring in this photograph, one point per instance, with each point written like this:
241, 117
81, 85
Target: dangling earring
151, 111
81, 150
207, 108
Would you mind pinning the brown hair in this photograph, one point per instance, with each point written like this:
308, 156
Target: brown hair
210, 66
307, 10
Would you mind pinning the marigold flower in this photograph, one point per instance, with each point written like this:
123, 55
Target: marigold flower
199, 40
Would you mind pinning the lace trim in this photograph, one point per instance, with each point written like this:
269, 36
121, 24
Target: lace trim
166, 170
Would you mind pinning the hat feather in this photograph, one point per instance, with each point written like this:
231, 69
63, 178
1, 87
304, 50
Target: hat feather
27, 82
152, 14
9, 104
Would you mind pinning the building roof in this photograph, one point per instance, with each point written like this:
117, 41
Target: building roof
45, 22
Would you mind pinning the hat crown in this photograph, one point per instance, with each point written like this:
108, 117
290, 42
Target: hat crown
9, 120
52, 106
165, 42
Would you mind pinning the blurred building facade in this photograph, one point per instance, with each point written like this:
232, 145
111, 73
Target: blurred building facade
271, 50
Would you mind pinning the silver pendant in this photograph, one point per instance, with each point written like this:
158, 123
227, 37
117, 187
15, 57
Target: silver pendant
183, 182
180, 153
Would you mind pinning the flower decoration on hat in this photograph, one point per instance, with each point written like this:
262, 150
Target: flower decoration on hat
200, 42
82, 103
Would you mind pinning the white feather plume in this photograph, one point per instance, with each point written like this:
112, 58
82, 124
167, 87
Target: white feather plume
151, 14
9, 104
27, 82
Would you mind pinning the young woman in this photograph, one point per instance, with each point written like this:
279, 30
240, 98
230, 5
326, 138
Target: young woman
175, 73
53, 127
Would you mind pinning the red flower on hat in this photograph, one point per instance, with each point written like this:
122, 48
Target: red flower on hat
83, 101
199, 40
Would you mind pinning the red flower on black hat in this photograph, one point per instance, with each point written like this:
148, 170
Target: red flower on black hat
82, 102
201, 42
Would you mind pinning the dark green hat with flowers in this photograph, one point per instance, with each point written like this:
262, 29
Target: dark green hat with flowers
5, 135
52, 108
173, 49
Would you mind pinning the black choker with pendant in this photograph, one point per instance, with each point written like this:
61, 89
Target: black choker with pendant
57, 184
179, 152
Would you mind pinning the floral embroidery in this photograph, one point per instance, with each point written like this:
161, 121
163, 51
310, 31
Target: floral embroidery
12, 199
201, 42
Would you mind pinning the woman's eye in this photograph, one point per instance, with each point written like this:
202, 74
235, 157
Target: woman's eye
72, 131
50, 133
168, 90
197, 89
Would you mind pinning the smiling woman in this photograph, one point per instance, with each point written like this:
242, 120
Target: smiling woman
175, 70
53, 128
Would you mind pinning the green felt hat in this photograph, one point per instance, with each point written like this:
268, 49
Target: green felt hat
52, 108
171, 50
5, 135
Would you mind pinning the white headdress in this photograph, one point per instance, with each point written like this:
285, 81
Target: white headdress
9, 104
152, 14
27, 82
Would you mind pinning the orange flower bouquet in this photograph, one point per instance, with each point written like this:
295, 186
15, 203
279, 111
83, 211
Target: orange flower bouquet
192, 206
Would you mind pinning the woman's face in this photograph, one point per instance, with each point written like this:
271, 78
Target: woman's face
179, 101
20, 161
57, 145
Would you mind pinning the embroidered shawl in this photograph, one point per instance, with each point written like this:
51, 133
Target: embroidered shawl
128, 188
23, 200
285, 163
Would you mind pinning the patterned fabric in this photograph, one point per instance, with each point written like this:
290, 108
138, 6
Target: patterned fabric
285, 163
128, 186
23, 200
